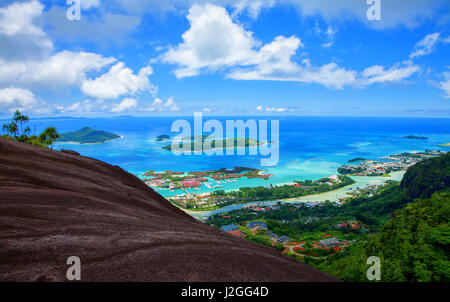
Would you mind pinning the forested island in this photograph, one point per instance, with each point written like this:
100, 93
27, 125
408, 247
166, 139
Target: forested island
162, 138
209, 145
415, 137
87, 135
356, 160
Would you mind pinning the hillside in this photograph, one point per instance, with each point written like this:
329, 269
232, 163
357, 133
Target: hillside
87, 135
54, 205
414, 245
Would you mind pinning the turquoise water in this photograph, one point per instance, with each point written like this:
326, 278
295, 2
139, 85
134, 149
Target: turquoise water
310, 147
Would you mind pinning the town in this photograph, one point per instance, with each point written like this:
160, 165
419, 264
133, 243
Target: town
188, 182
393, 163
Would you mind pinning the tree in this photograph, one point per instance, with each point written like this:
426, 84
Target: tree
22, 120
10, 129
49, 136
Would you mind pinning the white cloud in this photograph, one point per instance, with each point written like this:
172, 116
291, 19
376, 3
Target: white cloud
204, 49
274, 109
18, 18
398, 72
159, 105
65, 68
17, 98
19, 31
119, 81
126, 105
213, 41
88, 4
14, 98
88, 106
425, 46
445, 85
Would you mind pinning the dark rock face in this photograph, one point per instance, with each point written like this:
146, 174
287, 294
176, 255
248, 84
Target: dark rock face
54, 205
70, 152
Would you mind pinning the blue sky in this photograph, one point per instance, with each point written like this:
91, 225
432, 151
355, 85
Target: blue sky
289, 57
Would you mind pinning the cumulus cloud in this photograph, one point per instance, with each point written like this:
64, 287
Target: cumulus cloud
65, 68
126, 105
29, 63
119, 81
19, 31
13, 98
215, 42
18, 18
17, 98
425, 46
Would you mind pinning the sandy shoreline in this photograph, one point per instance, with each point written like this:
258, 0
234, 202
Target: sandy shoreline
77, 143
333, 196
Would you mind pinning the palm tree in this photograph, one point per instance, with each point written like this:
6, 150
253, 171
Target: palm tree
21, 119
49, 136
11, 129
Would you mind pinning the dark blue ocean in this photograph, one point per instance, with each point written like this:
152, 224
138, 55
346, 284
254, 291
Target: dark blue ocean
309, 147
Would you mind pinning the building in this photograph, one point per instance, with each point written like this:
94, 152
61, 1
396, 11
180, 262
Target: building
257, 225
329, 243
284, 240
229, 228
237, 233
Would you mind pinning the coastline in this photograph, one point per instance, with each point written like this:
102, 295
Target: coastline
99, 143
332, 196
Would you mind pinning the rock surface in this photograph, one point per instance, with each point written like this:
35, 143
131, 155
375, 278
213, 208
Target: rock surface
54, 205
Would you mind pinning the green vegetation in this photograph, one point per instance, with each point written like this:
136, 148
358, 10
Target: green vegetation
162, 138
414, 245
415, 137
295, 221
19, 130
306, 187
356, 160
427, 177
87, 136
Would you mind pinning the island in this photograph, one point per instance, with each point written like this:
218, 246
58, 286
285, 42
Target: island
87, 135
356, 160
415, 137
209, 145
445, 145
162, 138
393, 163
